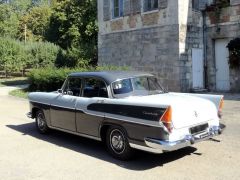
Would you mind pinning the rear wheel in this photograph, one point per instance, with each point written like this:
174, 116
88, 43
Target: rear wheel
117, 143
41, 123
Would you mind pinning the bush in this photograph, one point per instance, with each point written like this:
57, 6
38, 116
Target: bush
16, 56
234, 53
51, 79
44, 54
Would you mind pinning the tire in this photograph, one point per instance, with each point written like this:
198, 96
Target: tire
41, 123
117, 143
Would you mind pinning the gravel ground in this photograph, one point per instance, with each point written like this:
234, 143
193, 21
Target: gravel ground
25, 154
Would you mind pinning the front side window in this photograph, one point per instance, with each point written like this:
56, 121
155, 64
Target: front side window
149, 5
73, 87
94, 88
117, 8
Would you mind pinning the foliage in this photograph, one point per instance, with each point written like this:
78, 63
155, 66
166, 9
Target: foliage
73, 26
42, 54
21, 93
36, 22
8, 21
51, 79
16, 56
234, 50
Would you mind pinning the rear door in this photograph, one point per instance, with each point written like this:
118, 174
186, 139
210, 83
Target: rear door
89, 107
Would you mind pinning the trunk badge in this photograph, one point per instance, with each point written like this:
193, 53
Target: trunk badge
195, 113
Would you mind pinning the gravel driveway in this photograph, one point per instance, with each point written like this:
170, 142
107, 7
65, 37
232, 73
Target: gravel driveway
25, 154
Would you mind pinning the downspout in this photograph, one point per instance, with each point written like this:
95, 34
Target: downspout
205, 49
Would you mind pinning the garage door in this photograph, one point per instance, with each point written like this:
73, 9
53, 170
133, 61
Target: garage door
222, 67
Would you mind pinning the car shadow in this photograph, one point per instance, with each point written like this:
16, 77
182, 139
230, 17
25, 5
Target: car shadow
142, 160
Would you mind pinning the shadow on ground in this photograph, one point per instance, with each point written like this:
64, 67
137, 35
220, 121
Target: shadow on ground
142, 161
14, 82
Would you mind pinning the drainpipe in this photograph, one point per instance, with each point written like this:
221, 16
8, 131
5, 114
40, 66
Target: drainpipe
205, 49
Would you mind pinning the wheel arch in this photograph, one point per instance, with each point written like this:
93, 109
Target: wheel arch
105, 126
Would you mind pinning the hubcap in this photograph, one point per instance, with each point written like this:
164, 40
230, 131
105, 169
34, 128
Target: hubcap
117, 141
40, 121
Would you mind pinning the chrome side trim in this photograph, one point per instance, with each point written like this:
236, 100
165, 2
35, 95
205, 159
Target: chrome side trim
76, 133
144, 148
110, 117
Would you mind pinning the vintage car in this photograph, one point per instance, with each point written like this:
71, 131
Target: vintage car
127, 110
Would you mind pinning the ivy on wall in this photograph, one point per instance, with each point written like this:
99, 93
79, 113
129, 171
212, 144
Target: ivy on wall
234, 53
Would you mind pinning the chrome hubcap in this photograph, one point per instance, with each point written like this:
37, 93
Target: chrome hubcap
40, 121
117, 141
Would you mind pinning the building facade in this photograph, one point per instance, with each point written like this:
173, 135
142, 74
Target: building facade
173, 39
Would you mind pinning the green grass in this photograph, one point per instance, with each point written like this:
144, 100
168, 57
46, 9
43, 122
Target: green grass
13, 81
21, 93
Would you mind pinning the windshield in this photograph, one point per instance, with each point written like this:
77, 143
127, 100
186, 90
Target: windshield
138, 86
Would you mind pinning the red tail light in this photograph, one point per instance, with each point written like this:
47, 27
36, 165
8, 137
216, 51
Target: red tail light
220, 108
166, 119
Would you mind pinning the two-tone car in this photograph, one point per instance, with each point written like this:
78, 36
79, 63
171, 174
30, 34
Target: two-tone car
127, 110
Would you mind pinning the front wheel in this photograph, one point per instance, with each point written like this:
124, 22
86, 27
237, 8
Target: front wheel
41, 123
117, 143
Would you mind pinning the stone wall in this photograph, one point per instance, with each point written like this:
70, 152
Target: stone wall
190, 36
159, 41
228, 27
144, 41
151, 49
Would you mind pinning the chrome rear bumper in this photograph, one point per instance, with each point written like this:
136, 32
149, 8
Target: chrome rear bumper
166, 146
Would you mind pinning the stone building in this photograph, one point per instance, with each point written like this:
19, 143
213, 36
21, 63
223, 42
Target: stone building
177, 40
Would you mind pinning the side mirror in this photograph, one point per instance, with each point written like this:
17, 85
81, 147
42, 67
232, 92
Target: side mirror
60, 91
70, 93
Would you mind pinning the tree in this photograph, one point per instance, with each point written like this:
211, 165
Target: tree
36, 22
8, 21
73, 25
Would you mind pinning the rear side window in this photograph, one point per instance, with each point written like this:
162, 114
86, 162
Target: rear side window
122, 87
94, 88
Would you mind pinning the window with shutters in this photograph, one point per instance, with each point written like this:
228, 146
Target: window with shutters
117, 8
149, 5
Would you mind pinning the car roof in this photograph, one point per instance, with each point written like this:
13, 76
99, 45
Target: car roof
110, 76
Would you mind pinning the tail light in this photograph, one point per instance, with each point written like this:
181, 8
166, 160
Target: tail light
220, 108
166, 119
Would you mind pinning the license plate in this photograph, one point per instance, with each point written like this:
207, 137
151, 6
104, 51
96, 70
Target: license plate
204, 135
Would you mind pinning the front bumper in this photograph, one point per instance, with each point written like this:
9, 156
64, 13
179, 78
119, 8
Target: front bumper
29, 115
166, 146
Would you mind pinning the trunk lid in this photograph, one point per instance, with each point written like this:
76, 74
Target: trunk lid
187, 111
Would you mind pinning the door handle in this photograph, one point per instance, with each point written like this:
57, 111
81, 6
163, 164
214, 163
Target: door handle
100, 101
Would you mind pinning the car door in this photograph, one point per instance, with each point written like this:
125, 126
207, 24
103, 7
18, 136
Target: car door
63, 107
88, 114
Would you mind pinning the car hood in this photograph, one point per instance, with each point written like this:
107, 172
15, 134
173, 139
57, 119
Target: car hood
186, 110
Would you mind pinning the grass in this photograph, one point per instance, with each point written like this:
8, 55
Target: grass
21, 93
13, 81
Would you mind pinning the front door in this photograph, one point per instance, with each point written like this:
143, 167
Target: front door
197, 68
63, 108
222, 67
